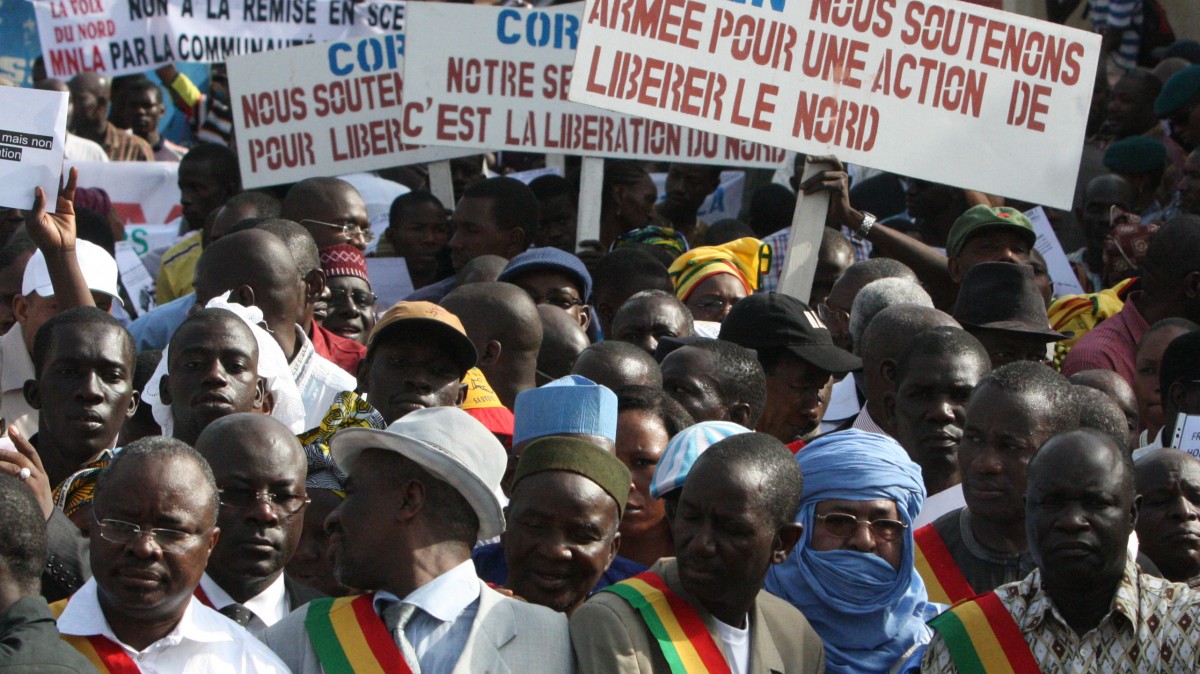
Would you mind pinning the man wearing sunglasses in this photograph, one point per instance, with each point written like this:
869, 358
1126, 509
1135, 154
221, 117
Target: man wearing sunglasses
260, 470
155, 526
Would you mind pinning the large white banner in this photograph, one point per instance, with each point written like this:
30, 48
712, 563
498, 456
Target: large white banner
497, 78
945, 91
324, 110
114, 37
142, 192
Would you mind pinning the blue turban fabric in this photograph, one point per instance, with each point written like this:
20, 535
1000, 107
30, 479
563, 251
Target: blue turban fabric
569, 405
867, 613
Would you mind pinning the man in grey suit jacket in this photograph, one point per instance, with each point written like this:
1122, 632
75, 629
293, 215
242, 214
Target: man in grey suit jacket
733, 521
418, 496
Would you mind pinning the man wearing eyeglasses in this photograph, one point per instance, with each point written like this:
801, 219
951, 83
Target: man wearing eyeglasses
331, 210
260, 470
852, 573
155, 514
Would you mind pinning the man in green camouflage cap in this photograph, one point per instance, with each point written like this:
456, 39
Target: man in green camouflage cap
986, 234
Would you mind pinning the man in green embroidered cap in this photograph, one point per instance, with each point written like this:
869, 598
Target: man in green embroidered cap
986, 234
1142, 161
561, 540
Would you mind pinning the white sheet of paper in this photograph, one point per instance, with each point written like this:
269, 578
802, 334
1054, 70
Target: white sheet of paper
135, 278
33, 129
939, 504
389, 280
1187, 435
1061, 274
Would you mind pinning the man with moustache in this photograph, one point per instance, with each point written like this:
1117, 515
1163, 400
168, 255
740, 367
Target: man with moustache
1168, 526
155, 515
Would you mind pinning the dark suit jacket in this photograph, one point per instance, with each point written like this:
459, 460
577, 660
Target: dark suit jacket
68, 566
298, 593
30, 644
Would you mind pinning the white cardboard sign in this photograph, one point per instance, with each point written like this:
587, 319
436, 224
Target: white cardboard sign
114, 37
946, 91
322, 110
497, 78
33, 128
142, 192
1057, 265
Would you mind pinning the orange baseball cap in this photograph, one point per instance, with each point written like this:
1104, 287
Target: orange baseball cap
430, 318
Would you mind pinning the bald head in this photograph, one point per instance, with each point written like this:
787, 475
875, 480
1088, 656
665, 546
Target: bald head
1168, 482
503, 323
562, 342
481, 269
257, 269
846, 289
89, 105
330, 201
617, 365
1115, 387
884, 340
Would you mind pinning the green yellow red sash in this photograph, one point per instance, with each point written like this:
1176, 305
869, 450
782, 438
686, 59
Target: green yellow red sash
681, 633
983, 638
350, 638
104, 655
944, 582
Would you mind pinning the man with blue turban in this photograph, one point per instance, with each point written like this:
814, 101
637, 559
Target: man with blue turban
852, 575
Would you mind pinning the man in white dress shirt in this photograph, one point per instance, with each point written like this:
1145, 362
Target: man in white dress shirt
155, 513
260, 470
418, 496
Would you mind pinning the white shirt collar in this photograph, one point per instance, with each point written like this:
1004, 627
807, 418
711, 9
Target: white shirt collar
83, 616
270, 605
303, 355
444, 597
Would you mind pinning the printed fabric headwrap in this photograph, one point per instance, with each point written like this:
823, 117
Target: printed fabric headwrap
867, 613
272, 367
653, 235
349, 410
746, 258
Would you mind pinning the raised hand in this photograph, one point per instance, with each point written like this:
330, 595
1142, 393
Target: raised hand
54, 232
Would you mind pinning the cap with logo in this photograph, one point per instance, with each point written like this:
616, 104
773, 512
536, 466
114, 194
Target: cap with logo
978, 218
435, 320
98, 267
774, 320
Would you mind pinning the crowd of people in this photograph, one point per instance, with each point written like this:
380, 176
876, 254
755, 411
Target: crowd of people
633, 454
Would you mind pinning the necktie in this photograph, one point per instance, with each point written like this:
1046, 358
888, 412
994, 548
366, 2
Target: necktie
237, 613
395, 618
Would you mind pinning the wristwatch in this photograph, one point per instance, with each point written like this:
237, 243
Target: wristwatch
864, 227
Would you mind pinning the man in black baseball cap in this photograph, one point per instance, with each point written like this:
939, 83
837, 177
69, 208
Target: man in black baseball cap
799, 358
1001, 305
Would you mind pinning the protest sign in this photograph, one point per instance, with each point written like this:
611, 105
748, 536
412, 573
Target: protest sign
1062, 275
33, 128
142, 192
950, 92
322, 110
497, 78
114, 37
135, 278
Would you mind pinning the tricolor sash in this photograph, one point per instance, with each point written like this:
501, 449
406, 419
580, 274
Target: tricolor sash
983, 638
104, 655
350, 638
681, 633
944, 582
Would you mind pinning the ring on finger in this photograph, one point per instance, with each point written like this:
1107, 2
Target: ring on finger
24, 474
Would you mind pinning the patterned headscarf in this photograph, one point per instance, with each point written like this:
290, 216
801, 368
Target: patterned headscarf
747, 259
348, 410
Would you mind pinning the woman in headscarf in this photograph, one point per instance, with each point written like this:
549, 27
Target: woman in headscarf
852, 573
709, 280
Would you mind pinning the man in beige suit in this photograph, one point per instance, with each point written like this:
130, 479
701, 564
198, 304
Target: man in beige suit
734, 520
418, 496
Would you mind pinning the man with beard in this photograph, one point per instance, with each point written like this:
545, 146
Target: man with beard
418, 496
259, 468
155, 527
734, 523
